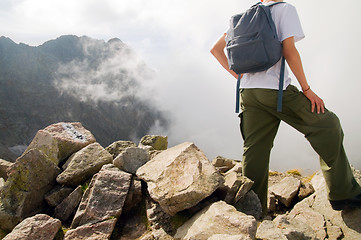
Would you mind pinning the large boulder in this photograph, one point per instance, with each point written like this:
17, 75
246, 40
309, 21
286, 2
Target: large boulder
316, 212
57, 195
131, 159
4, 166
134, 196
180, 177
229, 237
292, 228
268, 230
39, 227
84, 164
250, 205
286, 190
155, 142
68, 206
235, 186
8, 220
58, 141
348, 220
218, 218
284, 227
30, 178
119, 146
157, 234
223, 164
157, 218
311, 218
104, 197
97, 231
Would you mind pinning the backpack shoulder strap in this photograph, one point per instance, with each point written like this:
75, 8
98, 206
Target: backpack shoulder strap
272, 4
256, 4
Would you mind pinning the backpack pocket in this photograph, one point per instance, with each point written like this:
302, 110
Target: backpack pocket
246, 53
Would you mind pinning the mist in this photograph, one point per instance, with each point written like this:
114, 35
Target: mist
96, 77
174, 38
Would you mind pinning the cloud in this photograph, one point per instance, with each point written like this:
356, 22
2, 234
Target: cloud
109, 72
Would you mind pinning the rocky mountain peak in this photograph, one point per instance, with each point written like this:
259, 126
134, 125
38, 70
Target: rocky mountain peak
68, 186
73, 78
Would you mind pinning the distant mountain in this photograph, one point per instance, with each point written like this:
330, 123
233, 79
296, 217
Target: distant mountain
73, 78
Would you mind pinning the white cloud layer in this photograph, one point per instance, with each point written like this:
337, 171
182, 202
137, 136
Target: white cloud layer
174, 38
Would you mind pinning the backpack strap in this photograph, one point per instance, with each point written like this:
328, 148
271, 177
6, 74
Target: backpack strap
268, 14
282, 71
237, 92
280, 86
274, 3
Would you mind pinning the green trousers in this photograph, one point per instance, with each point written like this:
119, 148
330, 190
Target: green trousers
259, 124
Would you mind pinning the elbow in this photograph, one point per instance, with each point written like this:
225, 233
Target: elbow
216, 50
213, 51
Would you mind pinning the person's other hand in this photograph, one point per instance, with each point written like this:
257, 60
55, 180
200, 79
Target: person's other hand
316, 101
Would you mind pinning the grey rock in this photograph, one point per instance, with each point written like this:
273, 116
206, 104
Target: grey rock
246, 185
237, 168
228, 237
334, 232
348, 220
157, 218
97, 231
58, 141
2, 182
104, 197
318, 181
306, 189
271, 202
4, 165
119, 146
84, 164
131, 225
29, 179
8, 220
180, 177
230, 187
134, 196
250, 205
310, 218
286, 190
68, 206
39, 227
294, 229
235, 186
57, 195
223, 164
158, 234
268, 230
154, 141
218, 218
131, 159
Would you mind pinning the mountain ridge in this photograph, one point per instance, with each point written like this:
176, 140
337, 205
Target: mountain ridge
72, 78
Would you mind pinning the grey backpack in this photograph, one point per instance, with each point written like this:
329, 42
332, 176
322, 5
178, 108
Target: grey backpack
253, 45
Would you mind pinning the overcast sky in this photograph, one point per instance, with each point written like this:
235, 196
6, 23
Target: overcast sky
174, 38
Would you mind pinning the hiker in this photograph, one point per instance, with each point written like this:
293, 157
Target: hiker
303, 110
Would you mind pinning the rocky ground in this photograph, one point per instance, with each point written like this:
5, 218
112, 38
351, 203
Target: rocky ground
67, 186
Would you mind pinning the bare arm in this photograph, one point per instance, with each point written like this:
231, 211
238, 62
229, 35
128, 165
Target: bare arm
294, 61
218, 52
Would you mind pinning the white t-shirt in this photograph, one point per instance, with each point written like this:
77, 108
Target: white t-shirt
288, 25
